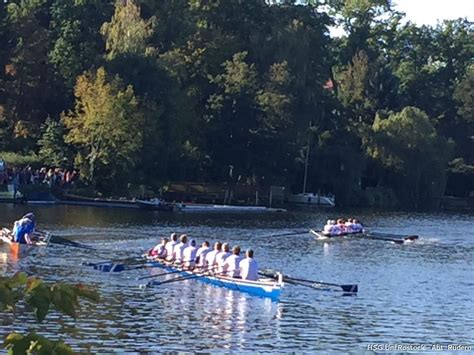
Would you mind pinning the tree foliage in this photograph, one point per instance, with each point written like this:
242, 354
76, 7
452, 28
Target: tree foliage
53, 150
42, 298
127, 32
230, 91
105, 127
408, 145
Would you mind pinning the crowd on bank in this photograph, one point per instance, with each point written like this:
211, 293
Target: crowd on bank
220, 260
46, 176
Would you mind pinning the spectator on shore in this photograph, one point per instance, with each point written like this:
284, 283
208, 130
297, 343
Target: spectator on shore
15, 183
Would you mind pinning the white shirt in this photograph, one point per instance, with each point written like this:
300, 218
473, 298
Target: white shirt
249, 269
220, 258
159, 251
178, 251
211, 258
189, 254
201, 254
327, 229
170, 248
232, 265
348, 227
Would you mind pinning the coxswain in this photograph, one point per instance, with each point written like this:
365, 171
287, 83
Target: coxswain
201, 254
170, 246
231, 266
24, 228
220, 257
159, 251
189, 255
179, 248
248, 267
31, 216
211, 256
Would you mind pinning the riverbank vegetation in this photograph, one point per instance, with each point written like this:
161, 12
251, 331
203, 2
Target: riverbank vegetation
144, 92
21, 294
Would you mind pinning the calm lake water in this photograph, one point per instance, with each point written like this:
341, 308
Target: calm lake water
418, 293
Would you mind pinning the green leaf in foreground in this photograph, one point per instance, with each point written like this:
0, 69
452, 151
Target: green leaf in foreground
33, 343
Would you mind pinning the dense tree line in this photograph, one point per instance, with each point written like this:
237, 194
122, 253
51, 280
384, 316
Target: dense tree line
235, 91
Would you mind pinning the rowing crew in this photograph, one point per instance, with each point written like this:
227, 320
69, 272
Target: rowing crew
342, 227
220, 259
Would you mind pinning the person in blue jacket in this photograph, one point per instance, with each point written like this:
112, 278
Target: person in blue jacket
24, 228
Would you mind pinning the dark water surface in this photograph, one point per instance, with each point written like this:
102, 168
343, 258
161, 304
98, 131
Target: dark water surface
419, 293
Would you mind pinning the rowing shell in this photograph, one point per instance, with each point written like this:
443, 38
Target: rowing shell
394, 238
6, 237
268, 288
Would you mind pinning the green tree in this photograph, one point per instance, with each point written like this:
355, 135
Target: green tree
248, 117
131, 55
464, 96
76, 41
4, 134
127, 32
30, 87
429, 62
42, 298
53, 151
106, 128
407, 145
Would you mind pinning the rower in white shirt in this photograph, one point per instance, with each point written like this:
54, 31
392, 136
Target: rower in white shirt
327, 227
170, 246
249, 267
348, 226
231, 265
179, 248
220, 257
211, 256
189, 255
201, 254
159, 251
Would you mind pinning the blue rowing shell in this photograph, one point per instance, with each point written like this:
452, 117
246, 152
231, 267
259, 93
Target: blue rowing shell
267, 289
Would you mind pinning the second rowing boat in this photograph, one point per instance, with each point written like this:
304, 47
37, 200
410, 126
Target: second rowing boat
394, 238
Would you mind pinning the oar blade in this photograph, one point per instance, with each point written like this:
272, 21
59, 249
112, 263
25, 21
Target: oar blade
55, 239
350, 288
109, 267
118, 267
